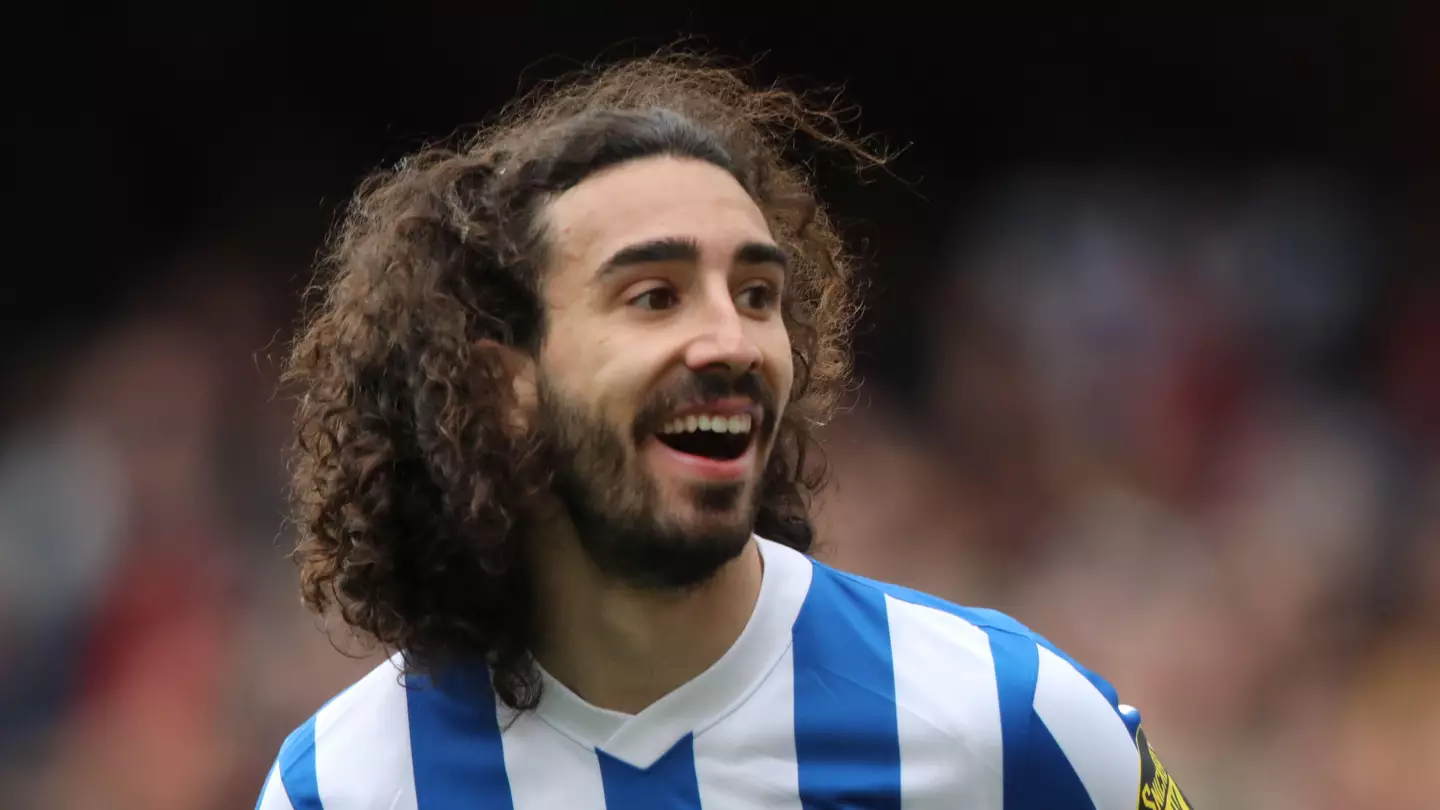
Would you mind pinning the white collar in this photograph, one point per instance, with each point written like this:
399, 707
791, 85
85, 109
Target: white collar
642, 738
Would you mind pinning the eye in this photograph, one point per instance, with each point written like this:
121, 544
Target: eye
759, 296
655, 299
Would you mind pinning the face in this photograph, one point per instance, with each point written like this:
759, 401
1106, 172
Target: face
665, 365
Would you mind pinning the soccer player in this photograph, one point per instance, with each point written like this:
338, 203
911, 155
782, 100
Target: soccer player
555, 407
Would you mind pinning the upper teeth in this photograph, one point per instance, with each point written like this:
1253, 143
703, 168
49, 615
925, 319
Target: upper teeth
714, 423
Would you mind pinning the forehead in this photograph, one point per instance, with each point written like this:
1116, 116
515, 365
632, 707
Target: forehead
648, 199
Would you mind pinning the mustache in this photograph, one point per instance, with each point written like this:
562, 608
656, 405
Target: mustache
700, 387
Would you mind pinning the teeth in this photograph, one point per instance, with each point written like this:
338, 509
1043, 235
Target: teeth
715, 423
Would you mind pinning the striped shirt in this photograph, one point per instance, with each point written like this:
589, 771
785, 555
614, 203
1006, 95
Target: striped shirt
840, 692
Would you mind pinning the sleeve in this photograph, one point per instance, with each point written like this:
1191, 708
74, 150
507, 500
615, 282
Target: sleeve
272, 795
1068, 742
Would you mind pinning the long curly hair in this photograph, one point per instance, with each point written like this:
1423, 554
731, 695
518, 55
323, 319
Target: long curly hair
410, 486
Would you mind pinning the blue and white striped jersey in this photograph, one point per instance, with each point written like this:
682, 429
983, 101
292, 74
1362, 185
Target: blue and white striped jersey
841, 692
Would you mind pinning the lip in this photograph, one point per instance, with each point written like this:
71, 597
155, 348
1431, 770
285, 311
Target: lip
699, 467
732, 406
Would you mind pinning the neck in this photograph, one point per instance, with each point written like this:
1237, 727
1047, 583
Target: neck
622, 648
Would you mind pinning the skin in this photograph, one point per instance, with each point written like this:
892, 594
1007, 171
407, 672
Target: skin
618, 333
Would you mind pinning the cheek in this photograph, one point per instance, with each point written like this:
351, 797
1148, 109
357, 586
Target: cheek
609, 372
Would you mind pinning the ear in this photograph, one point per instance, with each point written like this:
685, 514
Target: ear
520, 368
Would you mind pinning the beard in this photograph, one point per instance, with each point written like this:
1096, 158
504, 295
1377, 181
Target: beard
620, 515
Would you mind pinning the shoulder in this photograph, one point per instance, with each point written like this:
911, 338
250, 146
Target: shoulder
353, 753
1060, 730
920, 624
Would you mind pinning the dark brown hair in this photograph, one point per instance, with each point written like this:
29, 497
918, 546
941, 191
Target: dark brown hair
410, 489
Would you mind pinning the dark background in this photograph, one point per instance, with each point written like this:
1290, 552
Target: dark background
151, 134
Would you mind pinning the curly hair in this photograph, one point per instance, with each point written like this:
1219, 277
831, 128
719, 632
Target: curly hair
410, 488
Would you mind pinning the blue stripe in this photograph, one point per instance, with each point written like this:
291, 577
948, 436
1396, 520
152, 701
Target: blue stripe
455, 747
1017, 665
297, 768
847, 737
668, 784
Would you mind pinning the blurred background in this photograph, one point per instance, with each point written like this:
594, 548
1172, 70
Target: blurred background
1152, 362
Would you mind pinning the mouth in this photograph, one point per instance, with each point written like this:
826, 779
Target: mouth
717, 435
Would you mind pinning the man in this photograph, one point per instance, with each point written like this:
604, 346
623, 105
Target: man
555, 408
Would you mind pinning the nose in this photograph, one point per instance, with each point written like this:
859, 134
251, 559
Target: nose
722, 339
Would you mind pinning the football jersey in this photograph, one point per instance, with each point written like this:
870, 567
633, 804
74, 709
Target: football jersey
841, 692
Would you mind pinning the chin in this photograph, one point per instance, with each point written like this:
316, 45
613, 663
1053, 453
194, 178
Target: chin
683, 553
713, 503
709, 530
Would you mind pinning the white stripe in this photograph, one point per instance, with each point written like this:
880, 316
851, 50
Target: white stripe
362, 745
1089, 732
547, 770
748, 759
274, 796
948, 708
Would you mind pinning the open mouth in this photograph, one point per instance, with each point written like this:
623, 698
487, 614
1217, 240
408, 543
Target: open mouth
723, 437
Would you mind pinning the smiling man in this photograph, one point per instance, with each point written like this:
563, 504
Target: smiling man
555, 407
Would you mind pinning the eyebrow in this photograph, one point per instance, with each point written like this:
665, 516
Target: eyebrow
684, 249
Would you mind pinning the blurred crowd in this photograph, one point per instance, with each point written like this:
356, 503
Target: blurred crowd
1184, 435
